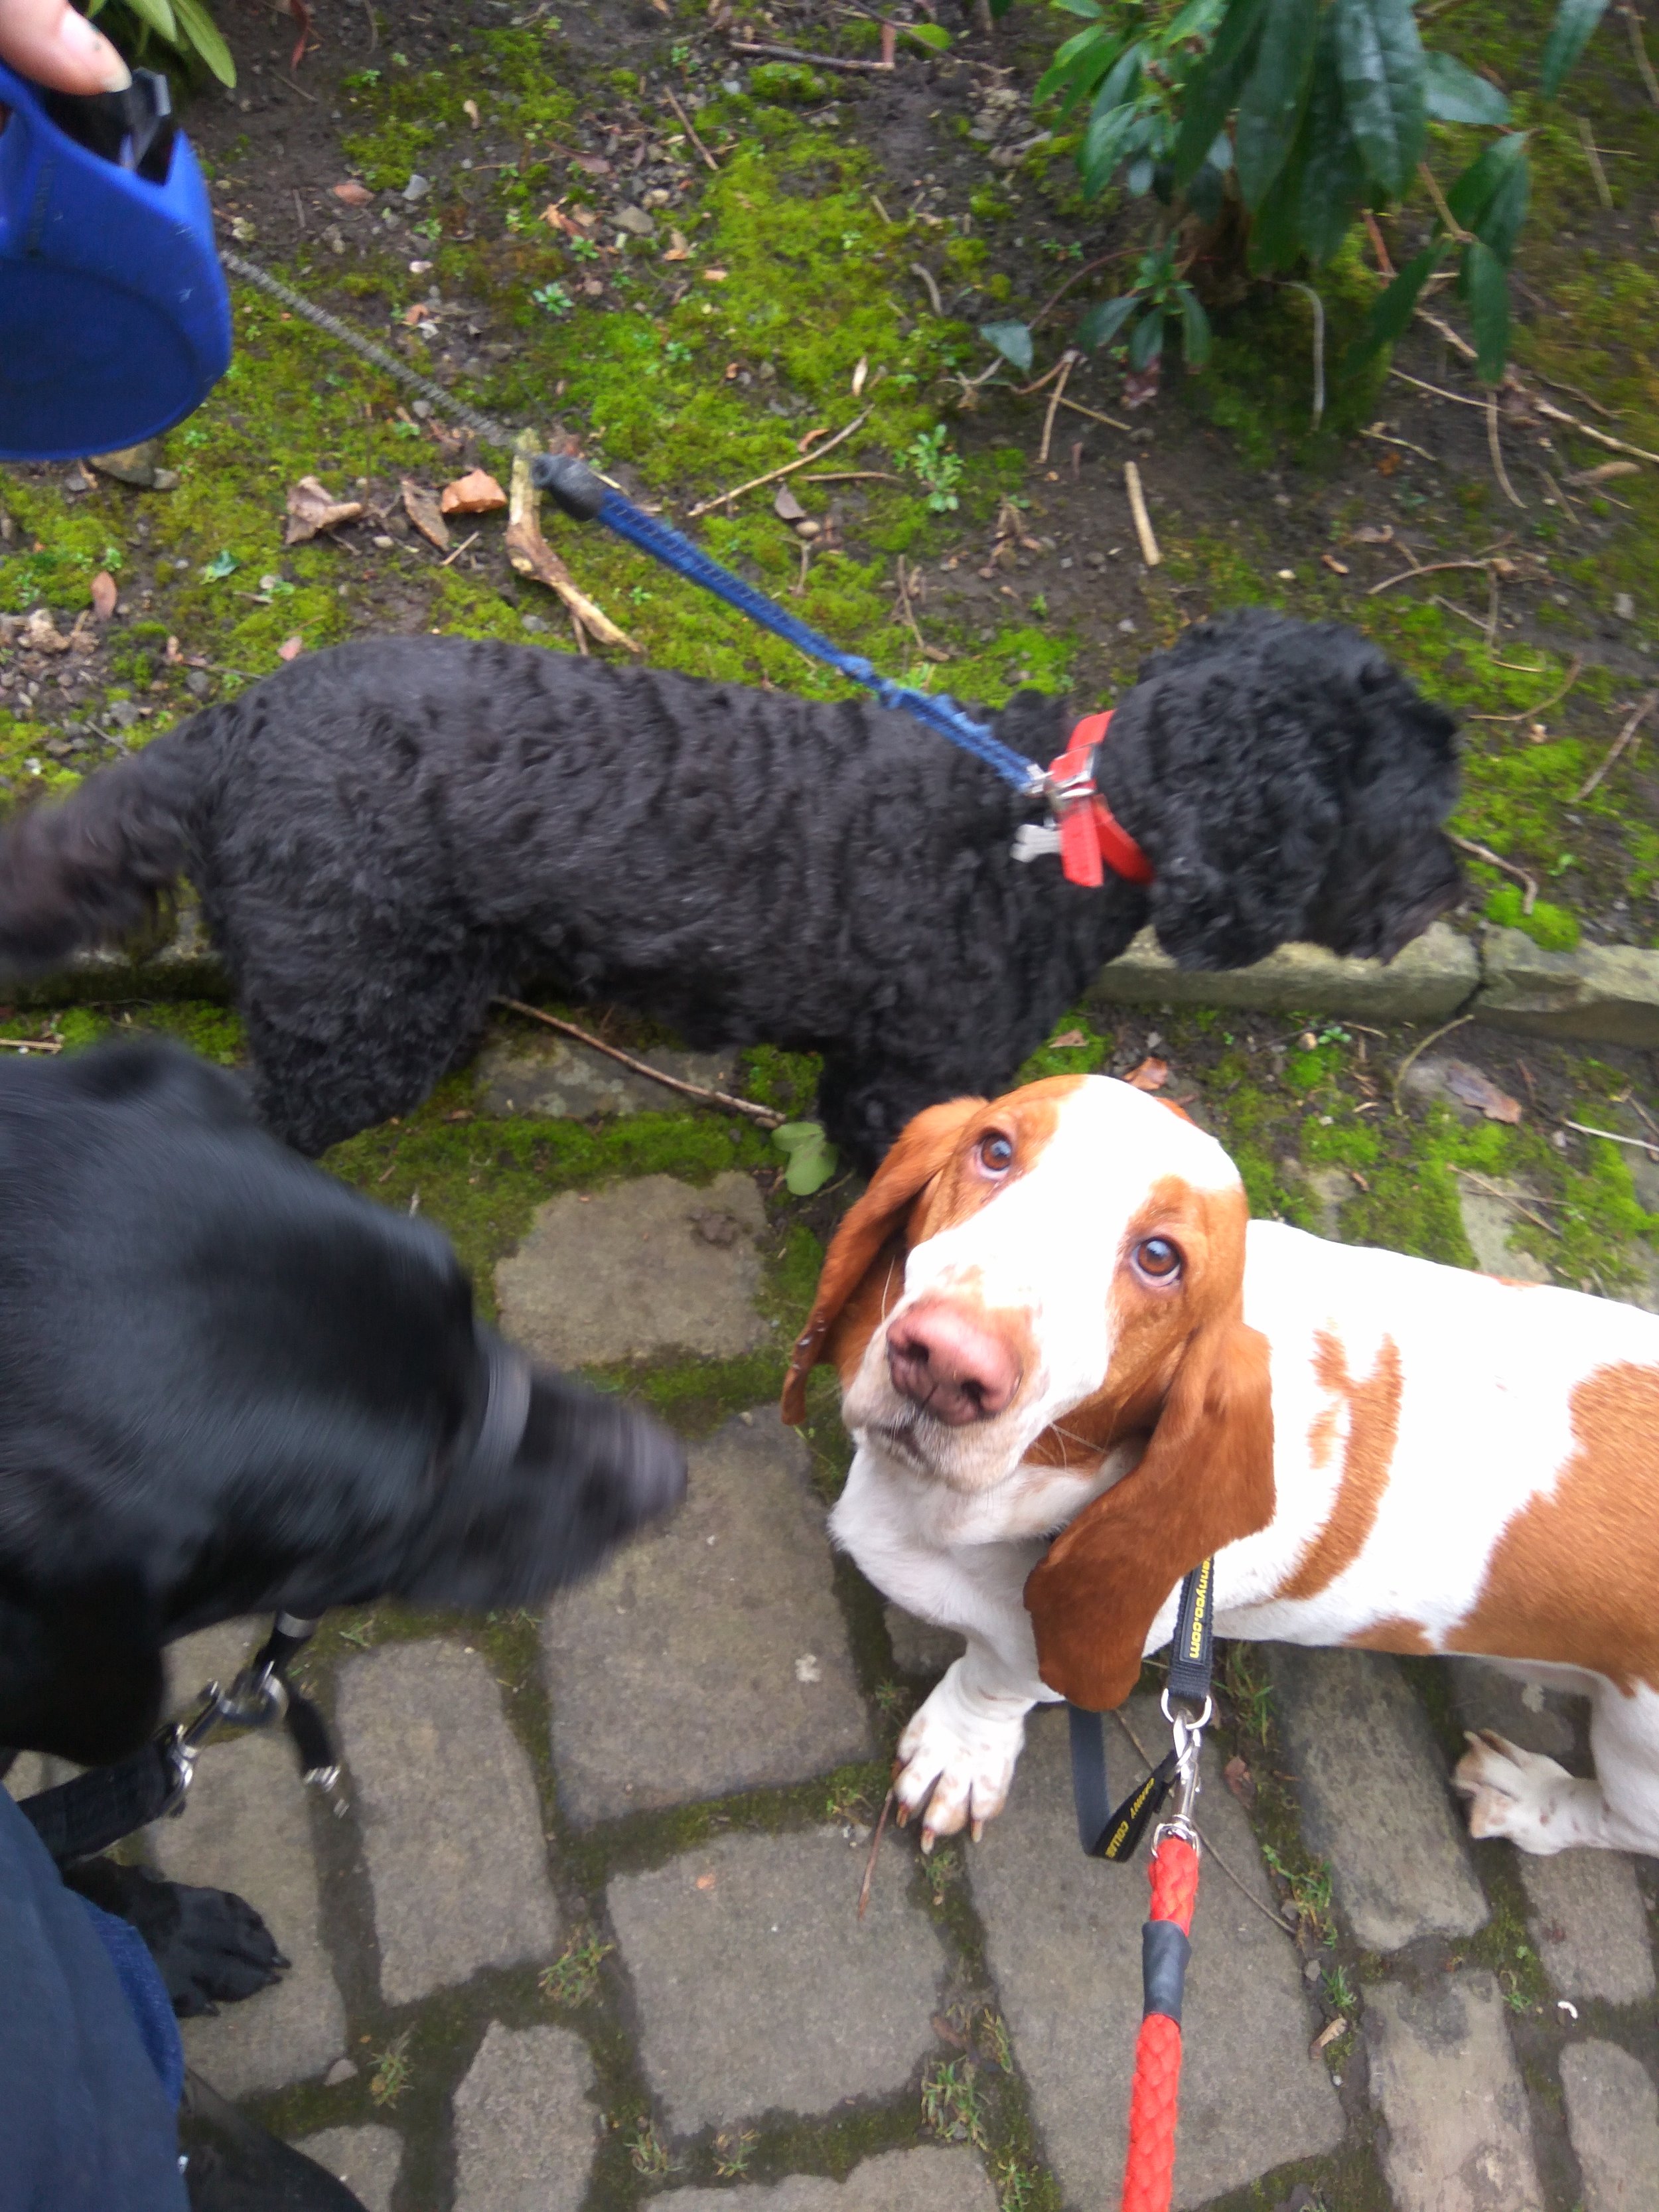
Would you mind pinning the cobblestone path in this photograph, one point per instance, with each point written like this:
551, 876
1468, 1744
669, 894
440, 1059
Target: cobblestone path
584, 1933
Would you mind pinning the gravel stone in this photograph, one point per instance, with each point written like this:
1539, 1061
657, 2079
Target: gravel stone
1590, 1924
452, 1826
526, 2131
561, 1081
929, 2179
1374, 1797
1612, 2118
365, 2158
1459, 2135
709, 1655
246, 1826
646, 1266
1063, 1940
758, 1987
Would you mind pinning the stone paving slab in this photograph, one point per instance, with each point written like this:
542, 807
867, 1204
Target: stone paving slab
1590, 1924
526, 2130
919, 1648
1063, 1940
564, 1080
710, 1655
648, 1266
1458, 2134
929, 2179
1613, 2119
759, 1989
450, 1823
246, 1826
1528, 1714
1375, 1799
365, 2158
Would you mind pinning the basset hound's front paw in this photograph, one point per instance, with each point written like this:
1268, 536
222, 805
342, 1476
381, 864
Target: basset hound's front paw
957, 1760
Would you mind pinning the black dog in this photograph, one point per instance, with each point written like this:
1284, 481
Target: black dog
385, 835
230, 1385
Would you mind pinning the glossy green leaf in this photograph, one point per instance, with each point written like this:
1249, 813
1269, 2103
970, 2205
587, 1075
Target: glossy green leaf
1104, 320
1486, 285
1271, 103
1076, 65
1569, 35
931, 35
1146, 341
1489, 197
1455, 94
1393, 312
1103, 148
812, 1158
1381, 59
1276, 225
203, 33
1091, 9
1118, 85
1012, 341
157, 15
1213, 87
1333, 175
1194, 329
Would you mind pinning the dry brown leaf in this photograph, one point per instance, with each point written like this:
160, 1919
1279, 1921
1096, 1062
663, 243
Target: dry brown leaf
860, 373
1328, 2034
1239, 1779
422, 507
1374, 533
787, 507
469, 109
1152, 1074
1337, 568
476, 493
312, 509
1608, 472
103, 595
291, 647
1475, 1088
713, 276
677, 249
353, 193
594, 164
1066, 1040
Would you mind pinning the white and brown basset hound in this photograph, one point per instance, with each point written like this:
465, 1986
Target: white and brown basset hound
1050, 1312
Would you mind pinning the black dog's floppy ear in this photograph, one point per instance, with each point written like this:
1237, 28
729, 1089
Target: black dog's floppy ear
80, 1672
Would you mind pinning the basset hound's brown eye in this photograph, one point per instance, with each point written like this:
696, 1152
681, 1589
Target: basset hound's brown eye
995, 1153
1158, 1259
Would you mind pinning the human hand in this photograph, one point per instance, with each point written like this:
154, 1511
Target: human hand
53, 43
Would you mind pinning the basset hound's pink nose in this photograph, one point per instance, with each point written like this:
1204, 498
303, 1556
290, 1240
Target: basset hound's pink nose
952, 1366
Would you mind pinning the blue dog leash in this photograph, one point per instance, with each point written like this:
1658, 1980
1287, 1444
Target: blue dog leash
587, 498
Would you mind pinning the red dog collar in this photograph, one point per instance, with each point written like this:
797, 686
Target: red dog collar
1091, 835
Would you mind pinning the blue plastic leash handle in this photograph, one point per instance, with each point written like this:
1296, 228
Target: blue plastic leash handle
586, 497
114, 314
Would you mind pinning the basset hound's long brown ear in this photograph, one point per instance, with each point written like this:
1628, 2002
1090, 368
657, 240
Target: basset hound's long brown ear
859, 1252
1206, 1481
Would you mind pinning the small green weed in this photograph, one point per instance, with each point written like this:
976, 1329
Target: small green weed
646, 2151
1310, 1891
552, 299
574, 1977
993, 2039
951, 2103
390, 2076
1339, 1991
940, 469
1014, 2182
732, 2152
1247, 1690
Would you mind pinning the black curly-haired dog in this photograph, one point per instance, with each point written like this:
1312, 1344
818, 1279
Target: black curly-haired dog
385, 835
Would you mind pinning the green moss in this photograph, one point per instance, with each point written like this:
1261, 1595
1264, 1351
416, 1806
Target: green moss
1550, 926
791, 84
787, 1082
1085, 1054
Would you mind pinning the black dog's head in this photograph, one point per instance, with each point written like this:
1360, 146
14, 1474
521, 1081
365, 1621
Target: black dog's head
1286, 783
229, 1384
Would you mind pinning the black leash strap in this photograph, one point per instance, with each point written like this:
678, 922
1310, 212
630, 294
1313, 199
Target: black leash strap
1114, 1833
79, 1819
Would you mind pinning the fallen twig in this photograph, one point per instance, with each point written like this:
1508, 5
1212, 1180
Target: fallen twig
1068, 362
690, 127
1076, 277
1149, 1762
1463, 613
763, 1115
799, 54
855, 475
724, 498
1430, 568
1642, 1144
1406, 1064
1143, 521
1510, 1199
919, 269
1455, 339
531, 555
1457, 399
875, 1845
1095, 414
1318, 351
1634, 24
1527, 714
1529, 883
1592, 155
1496, 451
1444, 213
1554, 414
1382, 438
1643, 708
32, 1044
460, 549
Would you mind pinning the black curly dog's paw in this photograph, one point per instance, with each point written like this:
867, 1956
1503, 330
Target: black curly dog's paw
209, 1946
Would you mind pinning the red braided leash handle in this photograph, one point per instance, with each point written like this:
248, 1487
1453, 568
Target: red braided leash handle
1149, 2171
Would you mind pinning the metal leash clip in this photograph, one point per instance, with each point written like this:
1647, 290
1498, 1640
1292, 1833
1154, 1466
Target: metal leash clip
1189, 1736
261, 1695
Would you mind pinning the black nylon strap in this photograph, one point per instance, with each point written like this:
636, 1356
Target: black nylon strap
1190, 1646
1164, 1954
80, 1818
1091, 1793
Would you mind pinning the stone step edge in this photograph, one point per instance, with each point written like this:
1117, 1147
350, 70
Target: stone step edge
1596, 994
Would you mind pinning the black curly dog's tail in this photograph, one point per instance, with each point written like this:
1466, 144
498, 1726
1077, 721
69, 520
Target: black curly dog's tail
96, 865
